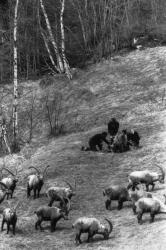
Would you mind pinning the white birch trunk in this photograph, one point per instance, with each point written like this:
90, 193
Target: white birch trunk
5, 138
46, 45
59, 60
49, 52
15, 80
65, 62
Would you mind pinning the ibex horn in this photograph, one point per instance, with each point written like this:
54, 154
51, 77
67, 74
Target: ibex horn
68, 205
70, 186
8, 171
17, 204
110, 225
162, 171
3, 185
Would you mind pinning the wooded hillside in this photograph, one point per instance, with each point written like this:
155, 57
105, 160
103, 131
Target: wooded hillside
93, 29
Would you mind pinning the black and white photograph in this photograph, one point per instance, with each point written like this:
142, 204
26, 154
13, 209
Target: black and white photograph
82, 124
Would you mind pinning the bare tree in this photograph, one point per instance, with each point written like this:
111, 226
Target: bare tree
62, 63
3, 135
46, 42
51, 37
65, 62
15, 80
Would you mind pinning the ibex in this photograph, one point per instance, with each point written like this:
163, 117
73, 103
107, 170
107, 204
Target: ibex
118, 193
52, 214
5, 192
122, 194
91, 226
57, 193
149, 205
10, 218
10, 182
35, 182
146, 177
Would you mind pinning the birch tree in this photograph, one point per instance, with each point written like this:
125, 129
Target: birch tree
3, 135
65, 62
62, 63
46, 42
15, 79
51, 37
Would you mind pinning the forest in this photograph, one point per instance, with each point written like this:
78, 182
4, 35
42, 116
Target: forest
92, 30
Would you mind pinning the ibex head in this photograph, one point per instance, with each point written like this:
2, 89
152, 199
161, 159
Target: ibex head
40, 175
15, 175
72, 190
161, 175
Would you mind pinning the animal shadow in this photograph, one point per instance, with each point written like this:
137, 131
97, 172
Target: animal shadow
58, 228
95, 239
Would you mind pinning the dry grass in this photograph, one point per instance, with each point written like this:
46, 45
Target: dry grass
129, 88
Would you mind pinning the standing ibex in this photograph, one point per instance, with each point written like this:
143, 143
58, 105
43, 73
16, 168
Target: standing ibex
55, 193
10, 218
122, 194
52, 214
35, 182
149, 205
146, 177
118, 193
10, 182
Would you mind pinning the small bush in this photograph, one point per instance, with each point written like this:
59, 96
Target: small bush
46, 81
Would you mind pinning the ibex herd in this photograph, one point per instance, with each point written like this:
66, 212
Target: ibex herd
44, 213
141, 201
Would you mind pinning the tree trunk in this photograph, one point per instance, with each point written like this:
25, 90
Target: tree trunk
15, 79
4, 136
65, 62
59, 60
49, 52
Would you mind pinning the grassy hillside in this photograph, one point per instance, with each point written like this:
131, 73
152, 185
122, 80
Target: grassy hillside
130, 88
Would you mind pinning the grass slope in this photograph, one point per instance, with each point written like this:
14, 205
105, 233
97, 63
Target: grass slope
131, 88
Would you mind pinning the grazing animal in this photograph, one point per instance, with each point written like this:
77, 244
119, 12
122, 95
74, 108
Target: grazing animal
58, 193
10, 218
96, 142
118, 193
149, 205
113, 127
5, 192
91, 226
133, 137
35, 182
136, 195
146, 177
10, 182
122, 194
52, 214
120, 143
